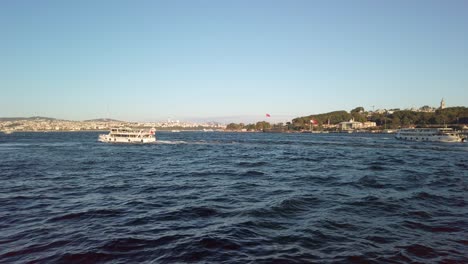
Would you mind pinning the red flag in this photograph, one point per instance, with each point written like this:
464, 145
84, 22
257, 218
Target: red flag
313, 121
268, 115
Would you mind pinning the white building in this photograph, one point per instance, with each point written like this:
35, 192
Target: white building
369, 124
350, 125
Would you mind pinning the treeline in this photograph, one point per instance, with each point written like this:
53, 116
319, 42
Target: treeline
332, 118
448, 116
454, 116
259, 126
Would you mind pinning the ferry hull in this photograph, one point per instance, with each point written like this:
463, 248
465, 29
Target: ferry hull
431, 138
429, 135
108, 139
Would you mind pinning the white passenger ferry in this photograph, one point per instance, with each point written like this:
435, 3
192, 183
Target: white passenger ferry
429, 134
128, 135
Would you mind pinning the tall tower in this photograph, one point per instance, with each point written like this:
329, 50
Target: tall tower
442, 104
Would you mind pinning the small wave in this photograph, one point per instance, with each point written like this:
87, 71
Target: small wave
132, 244
308, 159
265, 224
287, 207
420, 251
139, 221
355, 259
202, 249
297, 204
34, 248
189, 213
449, 228
368, 181
26, 200
89, 162
462, 242
88, 214
419, 214
217, 243
253, 173
381, 239
335, 225
455, 201
376, 168
290, 207
373, 205
85, 257
448, 179
252, 164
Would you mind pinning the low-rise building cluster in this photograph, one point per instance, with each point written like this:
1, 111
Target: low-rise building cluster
46, 124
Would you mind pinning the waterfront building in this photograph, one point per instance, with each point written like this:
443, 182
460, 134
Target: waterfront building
350, 125
369, 124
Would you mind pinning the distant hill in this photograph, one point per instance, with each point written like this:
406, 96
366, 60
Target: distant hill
32, 118
103, 120
27, 118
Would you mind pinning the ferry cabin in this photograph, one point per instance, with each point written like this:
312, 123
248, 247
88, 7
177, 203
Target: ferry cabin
120, 135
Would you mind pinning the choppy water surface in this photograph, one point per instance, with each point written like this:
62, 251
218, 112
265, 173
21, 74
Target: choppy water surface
232, 197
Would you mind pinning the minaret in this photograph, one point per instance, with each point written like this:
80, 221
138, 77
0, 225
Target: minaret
442, 104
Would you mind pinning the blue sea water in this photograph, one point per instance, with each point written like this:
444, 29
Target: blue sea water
233, 198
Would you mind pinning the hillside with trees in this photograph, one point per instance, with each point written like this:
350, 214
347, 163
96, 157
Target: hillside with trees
390, 119
395, 118
447, 116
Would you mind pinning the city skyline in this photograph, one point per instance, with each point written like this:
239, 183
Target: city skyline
241, 118
202, 60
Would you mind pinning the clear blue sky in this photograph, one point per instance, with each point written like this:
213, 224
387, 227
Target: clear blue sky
151, 60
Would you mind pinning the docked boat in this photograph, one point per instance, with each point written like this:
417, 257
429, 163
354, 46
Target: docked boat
429, 134
128, 135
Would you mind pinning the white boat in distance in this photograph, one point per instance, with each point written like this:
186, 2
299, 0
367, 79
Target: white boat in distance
429, 135
128, 135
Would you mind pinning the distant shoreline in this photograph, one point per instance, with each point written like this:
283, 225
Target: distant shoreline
223, 131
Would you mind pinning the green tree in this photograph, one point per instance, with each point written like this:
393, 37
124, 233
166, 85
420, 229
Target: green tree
250, 127
233, 126
406, 121
358, 117
358, 109
262, 125
395, 123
